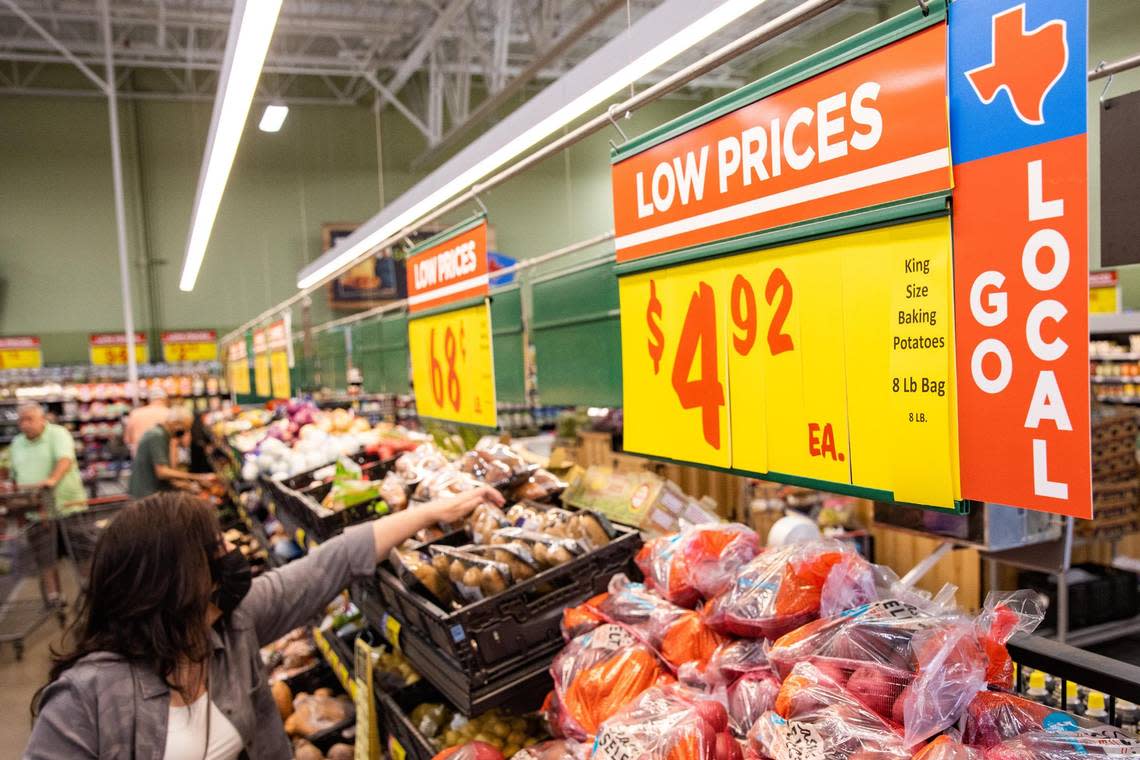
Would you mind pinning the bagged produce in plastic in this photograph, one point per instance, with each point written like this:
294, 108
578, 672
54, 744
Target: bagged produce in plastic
669, 722
697, 562
472, 751
1002, 616
739, 671
555, 749
749, 697
949, 748
639, 609
1059, 744
688, 640
583, 618
816, 718
993, 717
595, 675
778, 591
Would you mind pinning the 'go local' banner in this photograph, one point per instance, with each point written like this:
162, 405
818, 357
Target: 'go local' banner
110, 349
789, 277
190, 346
21, 352
453, 368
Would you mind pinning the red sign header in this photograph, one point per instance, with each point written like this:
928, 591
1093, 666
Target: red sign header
870, 131
453, 269
20, 341
276, 335
190, 336
1103, 279
114, 339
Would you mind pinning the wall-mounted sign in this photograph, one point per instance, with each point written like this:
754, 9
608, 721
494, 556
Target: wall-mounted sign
372, 282
453, 366
1104, 292
449, 267
21, 352
190, 346
110, 349
279, 340
261, 383
866, 132
237, 358
1018, 123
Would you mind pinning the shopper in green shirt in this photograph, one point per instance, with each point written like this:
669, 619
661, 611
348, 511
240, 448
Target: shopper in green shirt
151, 470
42, 456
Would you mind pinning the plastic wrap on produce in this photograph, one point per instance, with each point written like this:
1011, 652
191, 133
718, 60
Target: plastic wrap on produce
949, 748
669, 722
556, 749
815, 718
778, 591
698, 562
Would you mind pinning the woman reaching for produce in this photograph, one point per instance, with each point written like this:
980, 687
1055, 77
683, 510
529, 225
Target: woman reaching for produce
165, 661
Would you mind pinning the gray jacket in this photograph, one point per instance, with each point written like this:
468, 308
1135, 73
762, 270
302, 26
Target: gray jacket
104, 708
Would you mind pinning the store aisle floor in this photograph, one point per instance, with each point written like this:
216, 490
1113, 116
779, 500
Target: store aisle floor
21, 679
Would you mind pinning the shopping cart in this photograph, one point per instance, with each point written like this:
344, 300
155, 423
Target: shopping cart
28, 546
81, 530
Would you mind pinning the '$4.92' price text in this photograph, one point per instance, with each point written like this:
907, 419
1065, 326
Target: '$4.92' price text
453, 349
699, 337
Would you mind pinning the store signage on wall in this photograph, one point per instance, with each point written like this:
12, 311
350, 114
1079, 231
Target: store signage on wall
280, 343
449, 267
21, 352
867, 132
190, 346
238, 364
1104, 292
261, 382
453, 365
1018, 125
886, 353
109, 349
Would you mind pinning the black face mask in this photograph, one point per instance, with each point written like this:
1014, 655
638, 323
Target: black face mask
231, 574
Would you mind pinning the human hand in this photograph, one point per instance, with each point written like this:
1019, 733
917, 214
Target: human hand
454, 508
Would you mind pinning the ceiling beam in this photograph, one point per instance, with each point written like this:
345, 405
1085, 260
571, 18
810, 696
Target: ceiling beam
87, 72
420, 52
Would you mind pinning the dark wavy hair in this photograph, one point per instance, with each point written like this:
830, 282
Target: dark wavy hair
149, 588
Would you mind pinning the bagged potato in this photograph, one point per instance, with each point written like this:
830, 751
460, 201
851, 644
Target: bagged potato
472, 577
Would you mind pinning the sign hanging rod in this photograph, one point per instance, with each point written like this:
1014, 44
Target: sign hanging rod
758, 36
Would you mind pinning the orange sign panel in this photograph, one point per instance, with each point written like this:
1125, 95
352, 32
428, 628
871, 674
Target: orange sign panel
870, 131
452, 268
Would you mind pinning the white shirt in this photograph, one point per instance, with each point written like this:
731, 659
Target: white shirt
186, 733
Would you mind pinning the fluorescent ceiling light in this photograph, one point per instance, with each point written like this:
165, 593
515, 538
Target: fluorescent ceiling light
687, 36
251, 29
273, 117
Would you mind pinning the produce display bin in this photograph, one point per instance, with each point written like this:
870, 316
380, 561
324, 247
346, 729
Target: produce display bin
403, 739
524, 618
1108, 594
302, 507
519, 681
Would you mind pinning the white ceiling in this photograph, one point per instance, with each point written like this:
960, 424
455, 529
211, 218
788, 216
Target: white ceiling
438, 62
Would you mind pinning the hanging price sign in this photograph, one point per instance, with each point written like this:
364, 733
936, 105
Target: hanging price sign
21, 352
261, 381
453, 368
190, 346
450, 267
110, 349
238, 365
278, 339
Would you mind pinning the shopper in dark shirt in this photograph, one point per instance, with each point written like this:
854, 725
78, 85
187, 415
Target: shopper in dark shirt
152, 470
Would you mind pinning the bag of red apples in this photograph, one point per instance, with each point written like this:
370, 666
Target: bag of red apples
671, 722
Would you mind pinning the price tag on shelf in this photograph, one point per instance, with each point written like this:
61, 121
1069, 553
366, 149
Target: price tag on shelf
109, 349
453, 368
21, 352
391, 630
396, 750
190, 346
829, 360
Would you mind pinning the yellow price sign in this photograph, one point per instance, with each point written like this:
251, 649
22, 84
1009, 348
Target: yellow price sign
15, 356
453, 368
261, 381
174, 353
109, 349
830, 360
279, 373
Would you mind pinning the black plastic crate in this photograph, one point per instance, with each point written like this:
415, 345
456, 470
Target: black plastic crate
524, 618
403, 738
1110, 595
302, 508
518, 682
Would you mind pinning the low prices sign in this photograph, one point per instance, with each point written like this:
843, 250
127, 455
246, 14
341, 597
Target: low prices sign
109, 349
278, 340
453, 368
190, 346
449, 267
21, 352
261, 383
1104, 292
1018, 123
237, 360
870, 131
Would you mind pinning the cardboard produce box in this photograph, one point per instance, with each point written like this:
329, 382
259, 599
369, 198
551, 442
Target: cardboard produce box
638, 499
